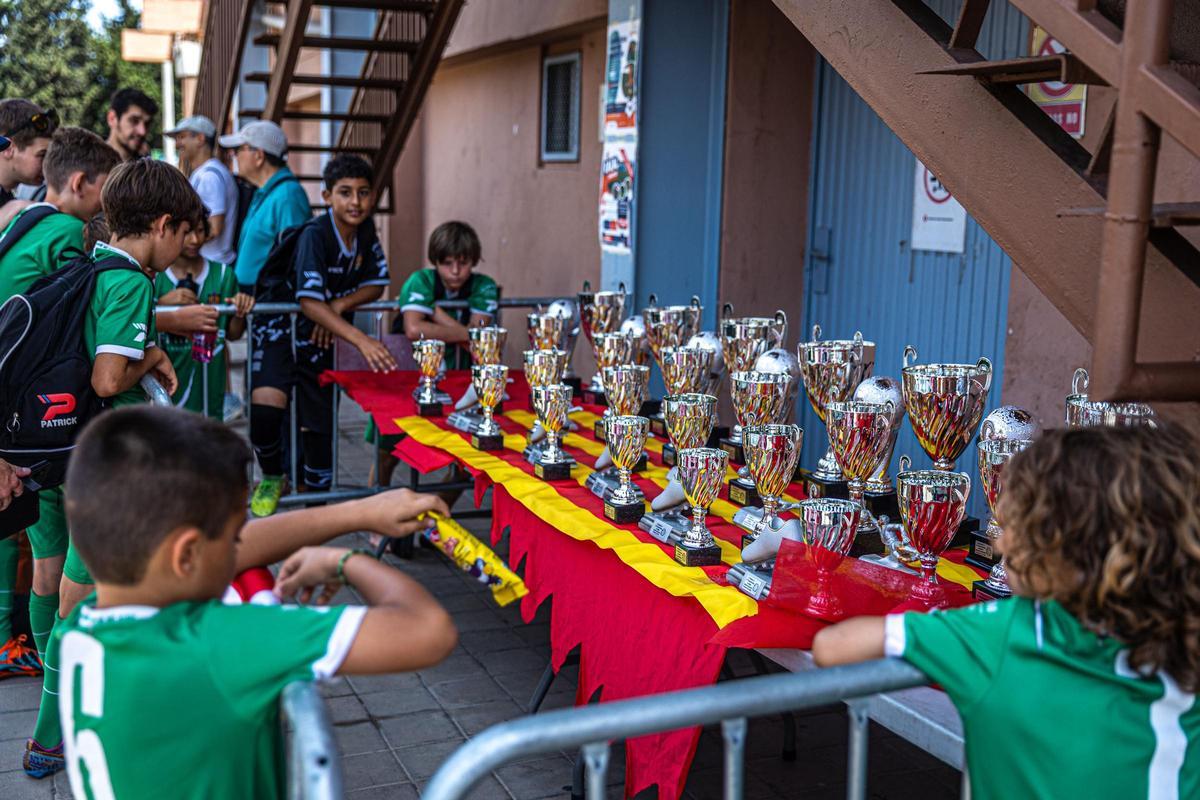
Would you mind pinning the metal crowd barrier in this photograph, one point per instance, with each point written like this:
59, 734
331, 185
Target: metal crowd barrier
337, 492
731, 704
314, 769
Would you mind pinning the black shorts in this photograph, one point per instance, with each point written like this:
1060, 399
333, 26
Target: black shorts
276, 365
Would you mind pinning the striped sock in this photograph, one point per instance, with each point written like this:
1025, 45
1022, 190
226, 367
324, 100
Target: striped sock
48, 731
43, 610
9, 555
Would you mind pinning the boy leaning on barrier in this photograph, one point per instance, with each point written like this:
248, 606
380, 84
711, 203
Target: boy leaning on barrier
331, 265
199, 283
1083, 684
40, 239
159, 678
150, 208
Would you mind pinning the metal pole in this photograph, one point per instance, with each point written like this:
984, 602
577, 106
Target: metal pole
734, 733
856, 776
204, 387
314, 768
333, 447
595, 757
293, 433
168, 97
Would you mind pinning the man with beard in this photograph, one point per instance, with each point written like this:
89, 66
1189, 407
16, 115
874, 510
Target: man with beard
130, 114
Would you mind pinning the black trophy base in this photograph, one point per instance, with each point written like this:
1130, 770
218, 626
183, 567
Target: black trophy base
969, 526
737, 455
883, 505
670, 455
821, 487
575, 383
624, 513
658, 425
698, 556
744, 493
598, 430
487, 441
558, 471
981, 553
429, 409
747, 539
594, 397
982, 592
650, 408
867, 543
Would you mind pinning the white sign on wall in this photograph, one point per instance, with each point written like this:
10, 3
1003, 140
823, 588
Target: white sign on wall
939, 223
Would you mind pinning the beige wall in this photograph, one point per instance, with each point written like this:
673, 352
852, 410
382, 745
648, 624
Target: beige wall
476, 159
484, 27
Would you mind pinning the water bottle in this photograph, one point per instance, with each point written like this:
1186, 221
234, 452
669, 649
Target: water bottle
202, 343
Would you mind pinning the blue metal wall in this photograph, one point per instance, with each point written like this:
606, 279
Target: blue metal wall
861, 273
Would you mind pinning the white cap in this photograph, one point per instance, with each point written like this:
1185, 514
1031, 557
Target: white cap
262, 135
197, 124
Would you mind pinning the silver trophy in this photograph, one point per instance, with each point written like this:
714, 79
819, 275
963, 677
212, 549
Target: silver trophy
994, 454
689, 419
600, 312
429, 354
744, 339
685, 369
635, 327
707, 340
945, 403
701, 471
625, 386
758, 399
832, 370
626, 437
880, 390
860, 434
610, 350
783, 362
1084, 413
670, 326
546, 331
551, 402
829, 529
544, 367
771, 454
489, 381
487, 344
569, 313
933, 503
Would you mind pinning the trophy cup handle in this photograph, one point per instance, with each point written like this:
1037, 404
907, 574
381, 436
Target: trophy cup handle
621, 288
587, 285
966, 490
1079, 381
984, 365
816, 332
652, 300
781, 318
696, 301
987, 431
726, 310
905, 463
909, 351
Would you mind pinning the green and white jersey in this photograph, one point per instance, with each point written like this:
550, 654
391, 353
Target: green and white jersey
187, 696
120, 318
44, 248
217, 282
424, 287
1051, 709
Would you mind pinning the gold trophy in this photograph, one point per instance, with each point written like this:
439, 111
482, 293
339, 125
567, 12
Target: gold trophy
759, 398
489, 381
626, 437
701, 471
690, 419
552, 402
429, 354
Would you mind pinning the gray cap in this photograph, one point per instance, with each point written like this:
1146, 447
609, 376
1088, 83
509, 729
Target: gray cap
262, 135
197, 124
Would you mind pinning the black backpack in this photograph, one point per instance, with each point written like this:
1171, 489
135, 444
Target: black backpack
46, 395
245, 194
25, 222
275, 280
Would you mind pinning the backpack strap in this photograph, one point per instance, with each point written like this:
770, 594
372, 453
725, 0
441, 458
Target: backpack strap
111, 263
25, 223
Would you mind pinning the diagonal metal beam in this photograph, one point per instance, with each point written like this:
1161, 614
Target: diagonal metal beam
285, 58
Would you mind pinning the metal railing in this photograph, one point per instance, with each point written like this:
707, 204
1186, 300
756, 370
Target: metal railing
593, 727
314, 769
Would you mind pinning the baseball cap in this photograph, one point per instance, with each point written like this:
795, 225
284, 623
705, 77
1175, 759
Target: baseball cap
4, 143
198, 124
261, 135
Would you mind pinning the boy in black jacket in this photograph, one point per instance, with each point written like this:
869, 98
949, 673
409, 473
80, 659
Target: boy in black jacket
338, 265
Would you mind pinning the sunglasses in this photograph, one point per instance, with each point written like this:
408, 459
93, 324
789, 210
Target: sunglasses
41, 122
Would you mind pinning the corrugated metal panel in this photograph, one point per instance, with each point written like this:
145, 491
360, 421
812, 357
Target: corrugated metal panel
950, 307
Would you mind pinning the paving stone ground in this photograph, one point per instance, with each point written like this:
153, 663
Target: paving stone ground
394, 731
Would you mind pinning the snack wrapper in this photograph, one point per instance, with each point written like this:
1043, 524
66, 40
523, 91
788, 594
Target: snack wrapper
475, 558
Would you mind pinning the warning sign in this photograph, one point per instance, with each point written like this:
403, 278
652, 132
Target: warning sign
1066, 103
939, 222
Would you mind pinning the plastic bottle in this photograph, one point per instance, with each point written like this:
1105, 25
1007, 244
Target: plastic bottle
202, 343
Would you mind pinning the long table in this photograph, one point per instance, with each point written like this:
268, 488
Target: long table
643, 623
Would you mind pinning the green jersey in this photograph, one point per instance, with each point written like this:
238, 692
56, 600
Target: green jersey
45, 247
1051, 709
120, 317
424, 287
187, 696
217, 282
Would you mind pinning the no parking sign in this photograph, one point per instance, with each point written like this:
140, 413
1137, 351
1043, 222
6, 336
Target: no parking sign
1066, 103
939, 222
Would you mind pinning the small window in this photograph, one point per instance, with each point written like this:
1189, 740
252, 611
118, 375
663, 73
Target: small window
560, 108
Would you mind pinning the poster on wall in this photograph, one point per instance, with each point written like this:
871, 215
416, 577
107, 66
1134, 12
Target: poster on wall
939, 222
1065, 103
616, 195
620, 97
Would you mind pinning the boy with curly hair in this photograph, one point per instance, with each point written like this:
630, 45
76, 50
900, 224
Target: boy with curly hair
1083, 683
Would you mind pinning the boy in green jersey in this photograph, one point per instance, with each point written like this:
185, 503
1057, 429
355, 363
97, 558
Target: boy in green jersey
160, 680
149, 207
191, 281
1083, 683
76, 165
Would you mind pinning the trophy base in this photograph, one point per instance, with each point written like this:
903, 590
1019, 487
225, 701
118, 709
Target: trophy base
665, 527
698, 556
658, 425
650, 408
737, 454
598, 430
982, 554
969, 526
594, 397
602, 484
670, 455
557, 471
982, 592
487, 441
867, 543
429, 409
744, 493
624, 513
883, 504
576, 384
815, 487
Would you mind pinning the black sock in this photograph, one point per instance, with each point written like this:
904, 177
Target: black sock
318, 460
265, 425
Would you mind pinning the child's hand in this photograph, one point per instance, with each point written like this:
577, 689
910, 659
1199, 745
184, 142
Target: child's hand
307, 569
196, 319
162, 369
178, 297
377, 355
244, 303
321, 336
395, 513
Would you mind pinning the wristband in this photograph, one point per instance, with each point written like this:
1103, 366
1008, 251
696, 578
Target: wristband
341, 567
